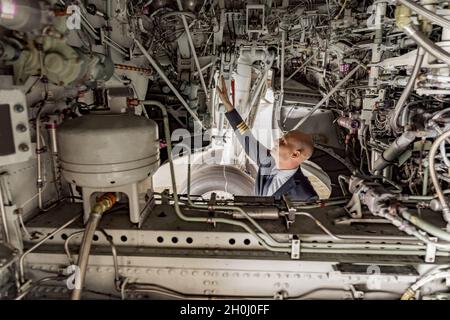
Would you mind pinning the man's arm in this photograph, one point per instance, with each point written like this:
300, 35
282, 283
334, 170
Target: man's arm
252, 147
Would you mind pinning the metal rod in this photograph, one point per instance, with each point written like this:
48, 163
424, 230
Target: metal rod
167, 81
300, 68
433, 17
283, 40
324, 99
408, 88
427, 44
194, 54
432, 167
37, 245
4, 222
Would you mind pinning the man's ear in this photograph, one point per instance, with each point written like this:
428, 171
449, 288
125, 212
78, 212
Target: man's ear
296, 154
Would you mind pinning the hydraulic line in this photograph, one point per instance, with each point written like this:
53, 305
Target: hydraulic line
194, 54
407, 91
430, 15
428, 227
433, 175
168, 82
411, 291
324, 99
428, 45
37, 245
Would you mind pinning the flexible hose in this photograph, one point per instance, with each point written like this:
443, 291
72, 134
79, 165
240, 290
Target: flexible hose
105, 203
83, 258
411, 291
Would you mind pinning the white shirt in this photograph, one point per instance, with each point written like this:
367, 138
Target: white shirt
280, 178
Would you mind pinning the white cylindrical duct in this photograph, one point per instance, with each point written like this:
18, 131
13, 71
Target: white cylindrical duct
243, 75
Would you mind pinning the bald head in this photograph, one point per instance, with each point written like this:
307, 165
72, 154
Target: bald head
292, 149
300, 141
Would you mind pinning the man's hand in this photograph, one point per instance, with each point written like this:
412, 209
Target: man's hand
223, 94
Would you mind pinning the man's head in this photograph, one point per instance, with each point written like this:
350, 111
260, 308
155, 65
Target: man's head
292, 149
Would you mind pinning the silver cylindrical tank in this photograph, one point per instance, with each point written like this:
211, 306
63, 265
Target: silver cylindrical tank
107, 150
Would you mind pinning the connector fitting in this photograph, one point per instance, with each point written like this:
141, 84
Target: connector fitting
402, 16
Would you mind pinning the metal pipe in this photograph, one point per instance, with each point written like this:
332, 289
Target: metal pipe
444, 154
324, 99
283, 40
428, 227
194, 54
5, 229
428, 45
434, 178
111, 243
407, 90
430, 15
37, 245
319, 224
40, 180
167, 81
258, 89
178, 210
396, 149
300, 68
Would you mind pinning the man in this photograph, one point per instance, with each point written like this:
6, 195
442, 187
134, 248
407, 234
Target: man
279, 170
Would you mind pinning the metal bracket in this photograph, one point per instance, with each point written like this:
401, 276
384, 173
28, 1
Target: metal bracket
354, 207
290, 216
295, 252
430, 254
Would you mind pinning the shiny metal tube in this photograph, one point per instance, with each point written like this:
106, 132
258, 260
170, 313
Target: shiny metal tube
428, 227
324, 99
191, 44
259, 213
167, 81
283, 49
407, 90
5, 229
285, 246
40, 180
428, 45
430, 15
300, 68
396, 149
434, 178
38, 244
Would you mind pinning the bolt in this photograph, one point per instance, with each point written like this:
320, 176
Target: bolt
24, 147
19, 108
21, 127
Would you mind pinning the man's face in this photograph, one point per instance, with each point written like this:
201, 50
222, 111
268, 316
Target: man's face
284, 154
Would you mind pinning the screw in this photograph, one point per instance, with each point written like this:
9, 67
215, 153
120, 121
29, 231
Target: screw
19, 108
21, 127
24, 147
